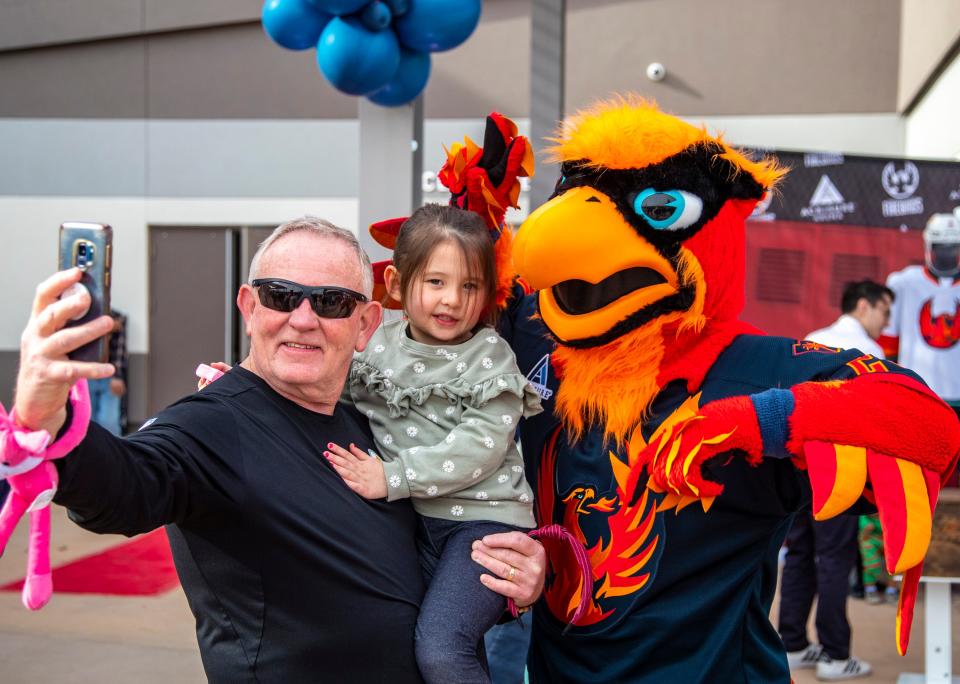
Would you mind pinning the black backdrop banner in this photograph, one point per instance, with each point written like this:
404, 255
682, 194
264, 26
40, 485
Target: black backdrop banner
885, 192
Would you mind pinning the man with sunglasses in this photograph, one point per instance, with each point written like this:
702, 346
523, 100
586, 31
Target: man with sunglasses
291, 576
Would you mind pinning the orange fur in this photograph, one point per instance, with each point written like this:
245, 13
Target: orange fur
503, 260
630, 132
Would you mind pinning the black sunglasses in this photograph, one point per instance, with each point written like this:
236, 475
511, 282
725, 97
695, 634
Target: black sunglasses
326, 301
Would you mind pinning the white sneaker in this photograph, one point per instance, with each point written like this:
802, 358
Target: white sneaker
837, 670
805, 659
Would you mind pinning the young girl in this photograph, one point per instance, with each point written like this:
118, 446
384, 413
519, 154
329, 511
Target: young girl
444, 395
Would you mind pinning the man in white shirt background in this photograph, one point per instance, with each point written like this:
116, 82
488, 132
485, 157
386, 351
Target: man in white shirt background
866, 310
820, 555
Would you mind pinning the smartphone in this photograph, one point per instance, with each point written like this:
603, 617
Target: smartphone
89, 247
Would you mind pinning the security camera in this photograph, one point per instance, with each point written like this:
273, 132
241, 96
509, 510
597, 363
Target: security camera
656, 71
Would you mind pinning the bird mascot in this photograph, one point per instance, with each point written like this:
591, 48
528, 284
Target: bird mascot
677, 441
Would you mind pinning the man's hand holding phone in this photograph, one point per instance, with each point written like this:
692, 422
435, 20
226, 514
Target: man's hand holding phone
46, 372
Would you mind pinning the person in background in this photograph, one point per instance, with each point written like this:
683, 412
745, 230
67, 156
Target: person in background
108, 395
820, 554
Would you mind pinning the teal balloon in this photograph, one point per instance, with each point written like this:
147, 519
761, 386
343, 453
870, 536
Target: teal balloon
407, 83
339, 7
437, 25
293, 24
354, 59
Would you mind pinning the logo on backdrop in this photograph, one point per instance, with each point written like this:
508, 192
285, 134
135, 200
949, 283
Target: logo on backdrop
814, 160
901, 183
826, 203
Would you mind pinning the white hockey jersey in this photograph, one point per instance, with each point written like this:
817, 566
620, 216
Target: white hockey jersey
926, 317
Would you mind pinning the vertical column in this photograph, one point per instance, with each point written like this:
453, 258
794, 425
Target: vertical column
548, 29
938, 656
391, 162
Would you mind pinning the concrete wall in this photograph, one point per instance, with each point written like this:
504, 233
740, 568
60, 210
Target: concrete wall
930, 32
933, 127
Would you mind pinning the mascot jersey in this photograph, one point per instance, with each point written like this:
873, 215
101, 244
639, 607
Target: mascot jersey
925, 316
678, 441
679, 595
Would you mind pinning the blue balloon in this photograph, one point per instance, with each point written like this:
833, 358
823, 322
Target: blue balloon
437, 25
355, 60
407, 83
376, 16
293, 24
339, 7
398, 7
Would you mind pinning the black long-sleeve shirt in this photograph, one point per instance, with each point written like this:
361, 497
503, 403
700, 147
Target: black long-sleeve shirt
291, 576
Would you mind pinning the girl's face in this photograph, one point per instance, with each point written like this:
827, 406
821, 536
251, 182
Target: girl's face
446, 301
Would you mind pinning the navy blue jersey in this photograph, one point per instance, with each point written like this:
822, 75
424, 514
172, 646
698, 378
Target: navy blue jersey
692, 592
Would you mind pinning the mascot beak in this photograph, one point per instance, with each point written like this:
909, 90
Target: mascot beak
592, 268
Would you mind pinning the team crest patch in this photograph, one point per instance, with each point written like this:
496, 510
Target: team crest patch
540, 376
806, 347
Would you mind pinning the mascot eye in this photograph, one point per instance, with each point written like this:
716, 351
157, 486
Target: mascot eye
669, 209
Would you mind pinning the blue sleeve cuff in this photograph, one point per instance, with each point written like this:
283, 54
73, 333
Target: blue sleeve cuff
773, 408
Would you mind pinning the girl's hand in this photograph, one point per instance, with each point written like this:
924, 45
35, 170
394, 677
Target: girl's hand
362, 472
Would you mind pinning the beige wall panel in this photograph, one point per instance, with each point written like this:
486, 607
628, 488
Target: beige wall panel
930, 30
102, 79
491, 71
739, 56
237, 72
25, 23
164, 15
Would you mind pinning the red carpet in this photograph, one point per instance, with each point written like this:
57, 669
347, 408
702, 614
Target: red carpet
140, 567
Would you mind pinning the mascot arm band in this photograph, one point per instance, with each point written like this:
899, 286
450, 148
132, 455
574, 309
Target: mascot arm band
888, 413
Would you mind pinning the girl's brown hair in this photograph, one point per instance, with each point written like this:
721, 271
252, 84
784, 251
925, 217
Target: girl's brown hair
433, 224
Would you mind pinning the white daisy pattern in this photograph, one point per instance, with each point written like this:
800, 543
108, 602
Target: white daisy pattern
450, 438
457, 510
418, 367
501, 383
472, 421
395, 481
502, 477
494, 503
507, 420
450, 410
379, 349
411, 474
387, 439
412, 431
483, 496
487, 362
369, 413
461, 367
388, 372
432, 490
477, 473
488, 442
517, 468
447, 466
492, 339
524, 498
433, 418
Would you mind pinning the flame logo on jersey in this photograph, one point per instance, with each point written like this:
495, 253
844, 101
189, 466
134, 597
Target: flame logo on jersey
619, 528
940, 332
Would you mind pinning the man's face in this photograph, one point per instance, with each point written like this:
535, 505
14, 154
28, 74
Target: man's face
875, 316
303, 357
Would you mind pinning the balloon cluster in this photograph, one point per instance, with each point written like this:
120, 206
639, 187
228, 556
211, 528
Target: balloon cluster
377, 48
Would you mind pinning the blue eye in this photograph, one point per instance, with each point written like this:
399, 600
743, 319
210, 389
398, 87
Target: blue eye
668, 209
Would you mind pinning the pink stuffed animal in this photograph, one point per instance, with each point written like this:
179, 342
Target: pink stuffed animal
25, 462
